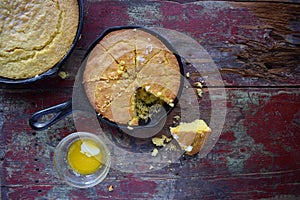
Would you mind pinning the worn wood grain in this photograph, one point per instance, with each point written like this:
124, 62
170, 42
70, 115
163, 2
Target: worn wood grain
256, 155
255, 47
252, 43
275, 55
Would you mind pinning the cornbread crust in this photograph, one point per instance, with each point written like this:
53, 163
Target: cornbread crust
35, 35
129, 59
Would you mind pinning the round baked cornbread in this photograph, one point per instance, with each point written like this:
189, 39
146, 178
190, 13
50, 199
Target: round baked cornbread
35, 35
127, 64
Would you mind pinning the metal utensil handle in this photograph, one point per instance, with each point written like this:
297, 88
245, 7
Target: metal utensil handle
59, 112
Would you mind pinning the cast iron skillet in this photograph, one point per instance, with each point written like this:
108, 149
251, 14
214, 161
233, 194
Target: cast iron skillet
59, 111
58, 65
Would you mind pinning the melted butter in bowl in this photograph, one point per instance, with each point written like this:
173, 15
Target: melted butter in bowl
82, 159
85, 157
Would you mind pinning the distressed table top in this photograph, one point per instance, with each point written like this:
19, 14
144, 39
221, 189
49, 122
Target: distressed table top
254, 47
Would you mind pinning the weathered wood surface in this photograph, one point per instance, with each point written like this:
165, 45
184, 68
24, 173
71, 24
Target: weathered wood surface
257, 155
255, 47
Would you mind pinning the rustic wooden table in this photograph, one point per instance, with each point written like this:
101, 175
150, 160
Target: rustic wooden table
255, 46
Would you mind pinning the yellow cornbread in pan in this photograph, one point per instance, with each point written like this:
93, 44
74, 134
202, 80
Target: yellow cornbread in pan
35, 35
130, 73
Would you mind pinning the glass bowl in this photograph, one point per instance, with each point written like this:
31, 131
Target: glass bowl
71, 177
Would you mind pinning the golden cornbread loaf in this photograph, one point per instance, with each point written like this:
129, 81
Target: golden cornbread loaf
35, 35
127, 72
191, 136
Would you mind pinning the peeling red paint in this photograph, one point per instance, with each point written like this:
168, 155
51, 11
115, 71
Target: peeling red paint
273, 125
130, 188
257, 155
27, 192
99, 16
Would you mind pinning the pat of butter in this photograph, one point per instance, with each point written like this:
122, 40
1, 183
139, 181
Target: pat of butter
189, 148
89, 149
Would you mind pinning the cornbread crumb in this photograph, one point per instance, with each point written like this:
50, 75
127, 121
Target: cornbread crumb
176, 117
167, 140
110, 188
198, 84
199, 92
187, 74
154, 152
63, 74
161, 141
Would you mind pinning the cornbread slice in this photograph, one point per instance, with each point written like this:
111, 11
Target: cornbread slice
122, 51
146, 46
35, 35
191, 136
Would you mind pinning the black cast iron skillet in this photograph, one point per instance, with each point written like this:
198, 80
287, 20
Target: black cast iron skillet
58, 65
143, 130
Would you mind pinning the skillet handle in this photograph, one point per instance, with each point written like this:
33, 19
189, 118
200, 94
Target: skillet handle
58, 111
